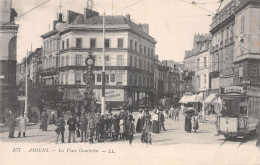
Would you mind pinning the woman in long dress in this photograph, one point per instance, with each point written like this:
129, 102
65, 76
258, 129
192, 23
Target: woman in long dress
121, 124
155, 127
188, 122
44, 119
139, 123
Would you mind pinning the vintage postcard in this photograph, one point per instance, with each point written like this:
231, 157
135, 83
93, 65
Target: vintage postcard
171, 82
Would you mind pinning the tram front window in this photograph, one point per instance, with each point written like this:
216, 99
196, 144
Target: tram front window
233, 107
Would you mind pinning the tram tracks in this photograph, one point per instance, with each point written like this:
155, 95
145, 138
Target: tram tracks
239, 142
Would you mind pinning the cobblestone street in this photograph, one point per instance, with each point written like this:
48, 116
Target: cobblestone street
173, 145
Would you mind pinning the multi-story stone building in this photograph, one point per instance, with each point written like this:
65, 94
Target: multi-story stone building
166, 82
20, 72
201, 63
8, 59
33, 66
196, 64
247, 42
198, 61
222, 53
129, 57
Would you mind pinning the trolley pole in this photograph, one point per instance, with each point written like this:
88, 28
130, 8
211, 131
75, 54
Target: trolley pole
103, 69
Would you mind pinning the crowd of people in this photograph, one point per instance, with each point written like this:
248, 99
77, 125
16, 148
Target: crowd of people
109, 126
94, 126
89, 126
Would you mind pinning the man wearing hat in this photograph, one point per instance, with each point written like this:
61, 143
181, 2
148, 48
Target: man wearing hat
91, 127
146, 133
60, 128
72, 123
83, 125
97, 125
11, 125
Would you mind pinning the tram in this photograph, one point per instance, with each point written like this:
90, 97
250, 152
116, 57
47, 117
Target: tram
240, 110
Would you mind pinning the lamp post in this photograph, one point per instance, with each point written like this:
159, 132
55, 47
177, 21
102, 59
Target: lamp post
26, 88
88, 79
103, 70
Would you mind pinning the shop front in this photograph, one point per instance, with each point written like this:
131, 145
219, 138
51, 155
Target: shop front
212, 104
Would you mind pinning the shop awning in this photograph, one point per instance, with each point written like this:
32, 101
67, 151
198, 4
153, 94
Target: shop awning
189, 99
193, 99
200, 97
210, 99
183, 99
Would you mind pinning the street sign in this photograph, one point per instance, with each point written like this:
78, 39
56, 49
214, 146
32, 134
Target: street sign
21, 98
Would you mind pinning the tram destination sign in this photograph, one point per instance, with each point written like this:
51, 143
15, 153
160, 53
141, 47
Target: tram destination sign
234, 89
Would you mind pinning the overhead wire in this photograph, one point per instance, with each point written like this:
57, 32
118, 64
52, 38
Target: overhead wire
195, 4
128, 6
27, 12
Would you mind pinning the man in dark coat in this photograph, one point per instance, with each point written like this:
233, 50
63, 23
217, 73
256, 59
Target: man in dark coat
131, 130
60, 129
162, 122
146, 133
115, 127
83, 123
11, 125
91, 127
72, 123
97, 125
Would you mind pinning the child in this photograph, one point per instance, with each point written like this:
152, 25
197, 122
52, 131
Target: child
195, 122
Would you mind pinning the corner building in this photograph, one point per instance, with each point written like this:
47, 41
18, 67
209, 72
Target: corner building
222, 52
247, 45
8, 57
129, 57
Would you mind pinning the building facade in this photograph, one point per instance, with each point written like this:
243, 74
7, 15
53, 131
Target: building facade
129, 58
8, 59
222, 52
33, 66
166, 83
247, 30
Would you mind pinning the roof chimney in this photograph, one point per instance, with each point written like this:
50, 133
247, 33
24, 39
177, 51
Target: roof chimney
88, 13
128, 17
60, 13
145, 28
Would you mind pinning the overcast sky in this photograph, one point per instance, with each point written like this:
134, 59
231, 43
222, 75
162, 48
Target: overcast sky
172, 22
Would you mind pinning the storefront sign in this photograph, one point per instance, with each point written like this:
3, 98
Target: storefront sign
234, 89
74, 94
110, 94
114, 95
